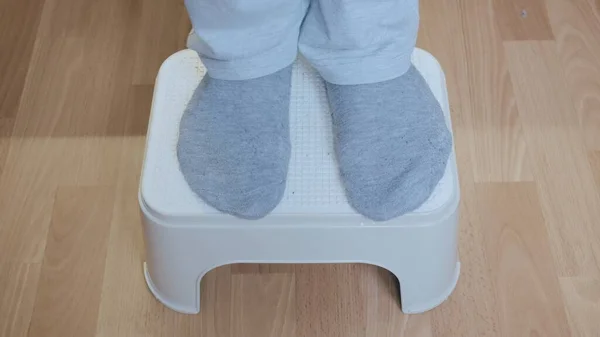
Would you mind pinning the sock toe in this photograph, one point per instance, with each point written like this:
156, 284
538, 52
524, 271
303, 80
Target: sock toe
252, 205
398, 195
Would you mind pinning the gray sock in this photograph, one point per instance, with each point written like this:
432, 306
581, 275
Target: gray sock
234, 143
392, 143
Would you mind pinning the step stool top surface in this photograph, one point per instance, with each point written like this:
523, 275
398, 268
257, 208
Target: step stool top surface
313, 187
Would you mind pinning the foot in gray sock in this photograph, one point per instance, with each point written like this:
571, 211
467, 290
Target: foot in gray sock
234, 143
392, 143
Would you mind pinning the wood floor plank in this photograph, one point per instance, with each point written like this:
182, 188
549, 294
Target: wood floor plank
519, 256
128, 308
130, 104
582, 296
522, 20
360, 300
94, 160
562, 170
596, 6
18, 284
215, 302
89, 161
276, 314
34, 169
25, 219
63, 18
6, 126
469, 48
345, 302
27, 210
444, 38
67, 60
59, 68
462, 35
594, 158
133, 115
497, 146
577, 28
383, 316
164, 29
68, 294
470, 311
19, 21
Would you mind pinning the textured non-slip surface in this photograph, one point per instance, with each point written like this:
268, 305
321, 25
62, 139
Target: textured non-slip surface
313, 184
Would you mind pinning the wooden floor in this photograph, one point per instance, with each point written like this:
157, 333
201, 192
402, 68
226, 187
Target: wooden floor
76, 81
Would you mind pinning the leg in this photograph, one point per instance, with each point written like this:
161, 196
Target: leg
234, 145
391, 137
360, 41
244, 39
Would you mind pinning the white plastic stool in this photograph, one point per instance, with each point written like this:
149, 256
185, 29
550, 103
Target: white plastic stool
313, 224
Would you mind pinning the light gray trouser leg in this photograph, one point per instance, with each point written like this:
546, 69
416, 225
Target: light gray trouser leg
245, 39
347, 41
360, 41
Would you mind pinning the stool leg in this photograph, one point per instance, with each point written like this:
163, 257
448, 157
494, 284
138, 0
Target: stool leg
176, 288
174, 268
422, 290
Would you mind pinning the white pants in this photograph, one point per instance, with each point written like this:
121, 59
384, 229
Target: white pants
347, 41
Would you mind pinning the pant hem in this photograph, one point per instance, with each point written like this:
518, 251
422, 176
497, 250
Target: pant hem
252, 67
367, 70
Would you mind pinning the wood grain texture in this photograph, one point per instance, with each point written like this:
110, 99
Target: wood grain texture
475, 296
216, 303
577, 28
18, 29
253, 268
497, 145
123, 299
345, 302
68, 295
522, 20
164, 27
97, 65
18, 284
75, 92
594, 158
6, 125
35, 169
276, 295
383, 315
582, 297
519, 256
126, 309
559, 156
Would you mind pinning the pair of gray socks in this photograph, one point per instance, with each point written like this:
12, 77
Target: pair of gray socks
391, 141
